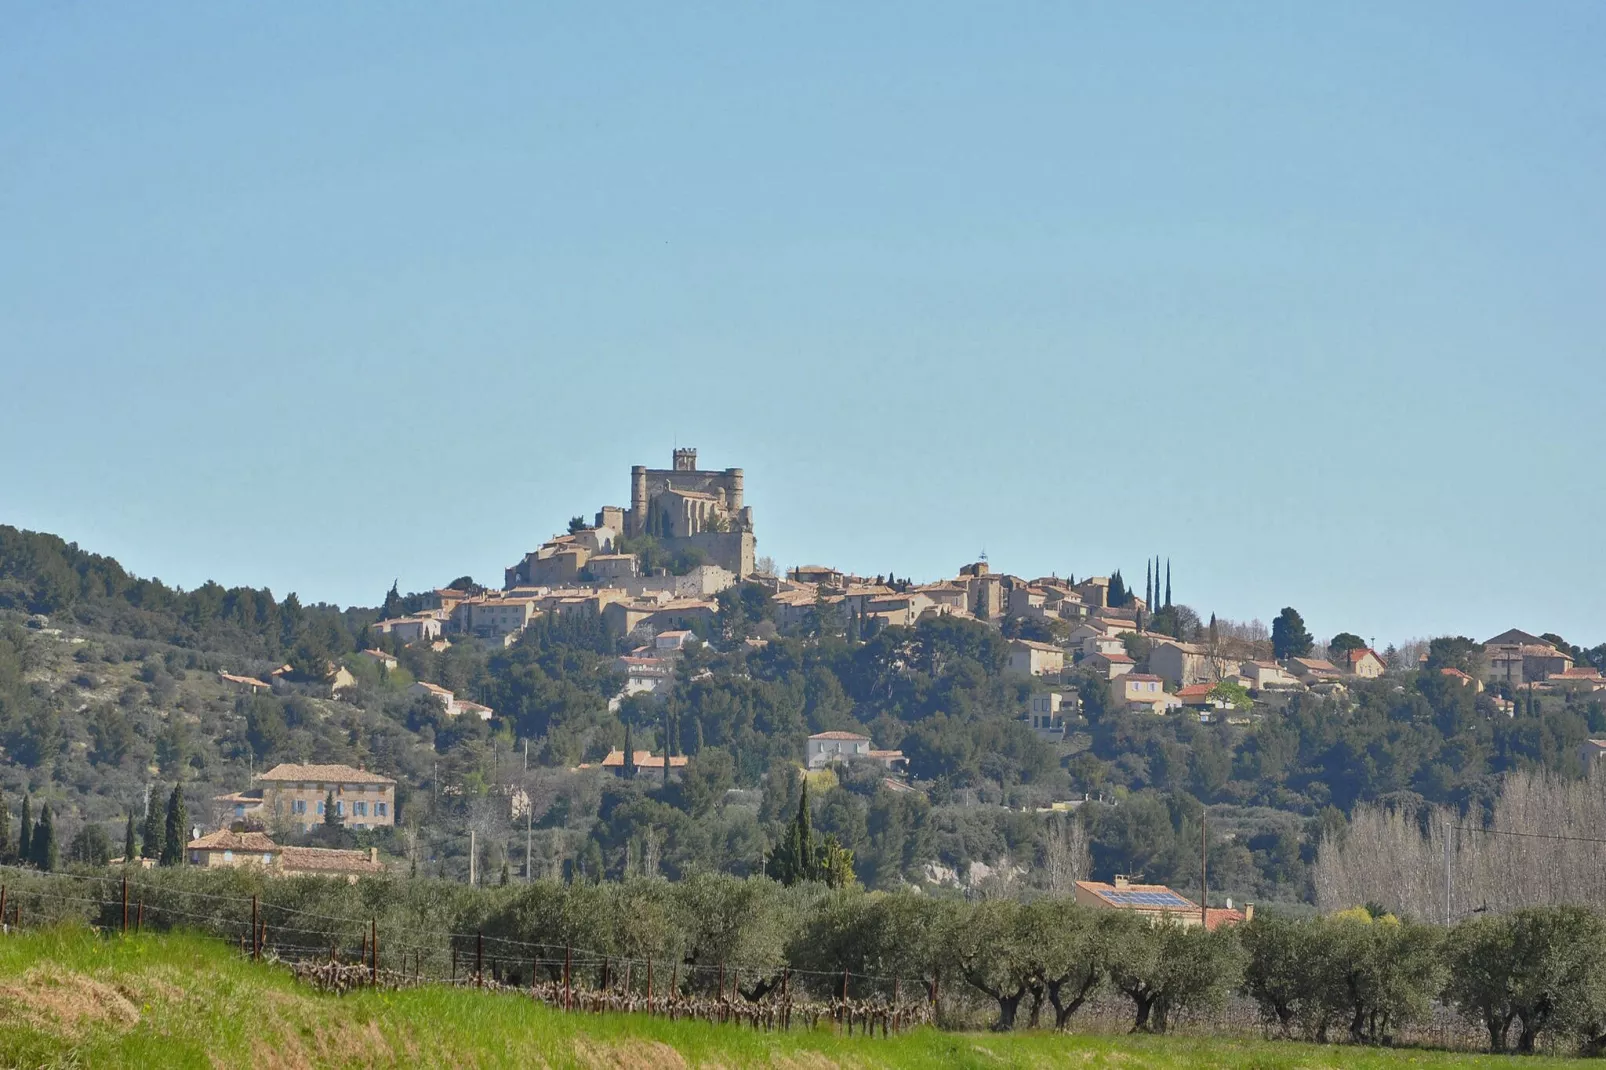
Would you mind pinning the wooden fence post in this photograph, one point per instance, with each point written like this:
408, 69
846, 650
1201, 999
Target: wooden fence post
139, 917
254, 928
373, 928
479, 960
568, 982
125, 902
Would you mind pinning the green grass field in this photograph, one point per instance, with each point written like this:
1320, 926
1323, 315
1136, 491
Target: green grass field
70, 998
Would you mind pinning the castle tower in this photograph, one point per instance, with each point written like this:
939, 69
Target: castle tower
733, 480
638, 500
686, 459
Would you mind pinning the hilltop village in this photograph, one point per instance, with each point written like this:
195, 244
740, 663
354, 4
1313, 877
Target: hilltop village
652, 573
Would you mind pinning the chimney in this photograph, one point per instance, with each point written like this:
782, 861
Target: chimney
1122, 881
1249, 913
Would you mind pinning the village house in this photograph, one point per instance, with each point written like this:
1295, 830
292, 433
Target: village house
379, 657
409, 630
1030, 658
1143, 692
1181, 664
674, 641
454, 706
646, 762
649, 675
1199, 696
1462, 678
1266, 675
494, 617
1580, 678
1515, 657
816, 575
226, 849
827, 748
1310, 671
1364, 663
1158, 903
245, 684
1109, 666
1046, 712
1100, 643
296, 794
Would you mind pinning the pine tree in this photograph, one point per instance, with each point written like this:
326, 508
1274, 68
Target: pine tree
630, 754
46, 855
5, 828
175, 834
1168, 583
128, 841
25, 832
152, 833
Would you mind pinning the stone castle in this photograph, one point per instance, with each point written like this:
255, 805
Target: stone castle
681, 508
684, 506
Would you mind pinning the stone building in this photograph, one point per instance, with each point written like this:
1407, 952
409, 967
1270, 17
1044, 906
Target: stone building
296, 794
685, 507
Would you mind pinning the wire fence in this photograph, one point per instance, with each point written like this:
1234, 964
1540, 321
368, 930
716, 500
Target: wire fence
320, 950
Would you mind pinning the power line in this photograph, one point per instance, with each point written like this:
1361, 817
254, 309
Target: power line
1528, 835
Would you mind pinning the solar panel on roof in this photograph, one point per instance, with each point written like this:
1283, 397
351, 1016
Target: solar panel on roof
1147, 899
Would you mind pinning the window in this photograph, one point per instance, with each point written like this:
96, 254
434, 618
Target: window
299, 807
340, 809
320, 806
195, 858
362, 809
379, 809
228, 856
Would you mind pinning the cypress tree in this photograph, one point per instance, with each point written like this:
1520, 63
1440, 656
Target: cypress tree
152, 832
1148, 584
25, 832
45, 853
331, 816
667, 747
630, 753
128, 841
175, 835
5, 827
1168, 583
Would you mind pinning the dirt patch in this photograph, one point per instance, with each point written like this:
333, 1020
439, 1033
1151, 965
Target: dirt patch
628, 1055
62, 1001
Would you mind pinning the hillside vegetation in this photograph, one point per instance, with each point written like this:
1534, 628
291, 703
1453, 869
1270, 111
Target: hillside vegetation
70, 998
119, 693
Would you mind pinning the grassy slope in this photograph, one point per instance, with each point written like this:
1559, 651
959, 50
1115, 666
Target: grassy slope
71, 998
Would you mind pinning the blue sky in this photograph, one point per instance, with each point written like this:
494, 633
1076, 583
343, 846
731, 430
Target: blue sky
1307, 298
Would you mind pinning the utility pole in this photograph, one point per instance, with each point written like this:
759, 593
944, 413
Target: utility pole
1447, 872
1204, 858
473, 860
529, 819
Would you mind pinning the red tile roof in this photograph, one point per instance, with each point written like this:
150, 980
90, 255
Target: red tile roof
332, 774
